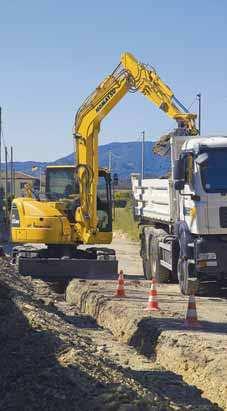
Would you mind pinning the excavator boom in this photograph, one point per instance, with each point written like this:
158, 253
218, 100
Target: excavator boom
129, 75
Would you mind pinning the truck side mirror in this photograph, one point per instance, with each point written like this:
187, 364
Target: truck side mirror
179, 184
115, 179
179, 173
201, 159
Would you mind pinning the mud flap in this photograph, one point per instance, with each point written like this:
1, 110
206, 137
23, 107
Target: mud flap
193, 285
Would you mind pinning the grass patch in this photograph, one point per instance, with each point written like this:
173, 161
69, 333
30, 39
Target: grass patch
122, 195
125, 223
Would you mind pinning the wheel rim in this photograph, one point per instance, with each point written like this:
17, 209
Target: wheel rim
146, 270
183, 276
153, 259
180, 276
154, 267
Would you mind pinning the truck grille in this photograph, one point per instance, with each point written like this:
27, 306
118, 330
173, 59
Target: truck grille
223, 217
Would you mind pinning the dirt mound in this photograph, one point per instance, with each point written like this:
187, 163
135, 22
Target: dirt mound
162, 146
47, 364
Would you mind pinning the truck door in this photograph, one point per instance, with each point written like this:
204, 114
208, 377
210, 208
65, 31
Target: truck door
193, 202
214, 182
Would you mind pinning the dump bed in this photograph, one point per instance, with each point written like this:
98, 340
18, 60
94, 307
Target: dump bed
152, 198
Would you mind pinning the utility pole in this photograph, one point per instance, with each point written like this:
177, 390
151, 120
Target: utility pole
199, 114
110, 160
6, 182
11, 172
40, 179
14, 182
142, 155
0, 147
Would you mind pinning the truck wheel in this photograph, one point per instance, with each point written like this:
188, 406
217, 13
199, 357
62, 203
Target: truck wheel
183, 277
160, 273
147, 269
175, 259
146, 262
188, 285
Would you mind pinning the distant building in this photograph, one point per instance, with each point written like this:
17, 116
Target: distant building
19, 183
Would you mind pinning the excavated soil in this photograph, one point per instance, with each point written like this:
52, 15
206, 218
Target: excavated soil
199, 355
55, 358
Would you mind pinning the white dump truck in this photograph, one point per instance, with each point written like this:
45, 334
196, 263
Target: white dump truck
183, 218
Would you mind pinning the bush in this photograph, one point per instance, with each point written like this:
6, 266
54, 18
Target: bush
125, 223
122, 195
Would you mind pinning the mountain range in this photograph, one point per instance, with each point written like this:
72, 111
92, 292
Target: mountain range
125, 159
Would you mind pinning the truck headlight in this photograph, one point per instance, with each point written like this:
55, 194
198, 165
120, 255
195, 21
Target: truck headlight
207, 256
207, 263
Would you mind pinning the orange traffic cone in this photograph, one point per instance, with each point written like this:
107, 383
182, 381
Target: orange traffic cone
152, 304
191, 314
120, 291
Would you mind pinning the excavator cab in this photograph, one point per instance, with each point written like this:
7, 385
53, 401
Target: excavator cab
61, 184
104, 201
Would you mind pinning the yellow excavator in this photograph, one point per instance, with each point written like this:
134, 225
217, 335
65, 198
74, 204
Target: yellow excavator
77, 206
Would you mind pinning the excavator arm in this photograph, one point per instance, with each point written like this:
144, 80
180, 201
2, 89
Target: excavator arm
87, 126
130, 75
149, 83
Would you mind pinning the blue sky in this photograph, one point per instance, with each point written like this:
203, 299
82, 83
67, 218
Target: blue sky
54, 53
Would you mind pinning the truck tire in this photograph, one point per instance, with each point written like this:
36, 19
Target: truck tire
147, 269
160, 273
188, 285
183, 277
175, 259
146, 262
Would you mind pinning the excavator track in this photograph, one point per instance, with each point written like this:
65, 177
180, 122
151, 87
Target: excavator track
93, 263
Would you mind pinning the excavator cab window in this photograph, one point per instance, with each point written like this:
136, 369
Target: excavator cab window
104, 202
61, 183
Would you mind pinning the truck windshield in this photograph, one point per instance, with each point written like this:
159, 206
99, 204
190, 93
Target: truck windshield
214, 171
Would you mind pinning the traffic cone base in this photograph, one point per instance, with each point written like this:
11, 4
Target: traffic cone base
152, 304
120, 291
191, 324
151, 309
191, 320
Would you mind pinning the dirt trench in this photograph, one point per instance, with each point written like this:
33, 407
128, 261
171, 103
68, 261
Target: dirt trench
53, 357
199, 355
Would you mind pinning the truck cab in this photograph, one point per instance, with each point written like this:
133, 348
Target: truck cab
204, 185
201, 189
186, 215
